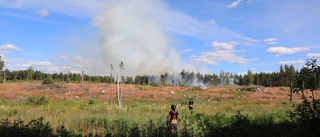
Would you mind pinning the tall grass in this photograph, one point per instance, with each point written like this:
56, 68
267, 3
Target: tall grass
103, 118
96, 117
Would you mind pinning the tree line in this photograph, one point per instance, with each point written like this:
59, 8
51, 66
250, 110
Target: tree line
284, 77
274, 79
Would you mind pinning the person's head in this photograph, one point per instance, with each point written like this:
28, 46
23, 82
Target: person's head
191, 99
173, 106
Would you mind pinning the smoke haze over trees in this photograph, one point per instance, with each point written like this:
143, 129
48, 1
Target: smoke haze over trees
283, 77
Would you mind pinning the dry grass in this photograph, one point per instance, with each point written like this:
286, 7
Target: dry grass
13, 91
69, 102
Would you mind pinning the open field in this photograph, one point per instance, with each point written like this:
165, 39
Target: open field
155, 94
93, 107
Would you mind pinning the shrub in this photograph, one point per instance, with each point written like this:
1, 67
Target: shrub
155, 85
92, 102
37, 100
48, 80
63, 132
135, 131
17, 128
307, 115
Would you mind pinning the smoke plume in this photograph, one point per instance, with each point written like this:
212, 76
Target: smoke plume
131, 33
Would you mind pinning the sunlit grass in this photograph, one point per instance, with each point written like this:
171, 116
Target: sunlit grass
99, 115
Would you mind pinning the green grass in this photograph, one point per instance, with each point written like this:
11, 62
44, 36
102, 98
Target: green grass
103, 117
136, 110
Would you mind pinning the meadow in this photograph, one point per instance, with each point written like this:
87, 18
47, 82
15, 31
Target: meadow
91, 109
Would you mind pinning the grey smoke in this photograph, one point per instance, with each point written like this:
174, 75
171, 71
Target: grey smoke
130, 33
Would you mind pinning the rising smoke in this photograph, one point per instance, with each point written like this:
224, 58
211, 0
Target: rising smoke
131, 33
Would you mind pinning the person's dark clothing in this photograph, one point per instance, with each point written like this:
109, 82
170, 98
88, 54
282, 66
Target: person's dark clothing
173, 115
191, 105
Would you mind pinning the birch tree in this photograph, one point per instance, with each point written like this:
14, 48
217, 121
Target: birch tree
119, 93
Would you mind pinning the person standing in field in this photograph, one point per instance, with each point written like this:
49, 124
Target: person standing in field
173, 116
191, 105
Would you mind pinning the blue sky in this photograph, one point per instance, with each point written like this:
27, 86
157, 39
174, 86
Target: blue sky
158, 36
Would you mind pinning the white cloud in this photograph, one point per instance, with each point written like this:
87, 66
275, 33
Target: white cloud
270, 40
26, 16
71, 58
43, 13
212, 22
35, 64
292, 62
252, 1
183, 24
8, 47
251, 40
284, 50
41, 63
71, 63
316, 55
62, 57
173, 21
267, 40
223, 46
83, 8
222, 52
234, 4
22, 64
240, 18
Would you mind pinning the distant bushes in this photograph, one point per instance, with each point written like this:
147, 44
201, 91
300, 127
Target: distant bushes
48, 80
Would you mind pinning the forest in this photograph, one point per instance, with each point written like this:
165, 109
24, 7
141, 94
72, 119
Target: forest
283, 77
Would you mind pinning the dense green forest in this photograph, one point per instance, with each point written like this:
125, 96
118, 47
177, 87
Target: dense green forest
283, 77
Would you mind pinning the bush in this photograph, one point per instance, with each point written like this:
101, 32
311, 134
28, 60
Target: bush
63, 132
48, 80
37, 100
155, 85
17, 128
92, 102
307, 115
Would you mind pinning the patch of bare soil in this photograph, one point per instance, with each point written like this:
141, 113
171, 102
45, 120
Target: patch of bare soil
101, 91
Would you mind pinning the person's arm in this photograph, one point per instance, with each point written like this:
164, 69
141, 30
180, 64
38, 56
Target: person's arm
177, 113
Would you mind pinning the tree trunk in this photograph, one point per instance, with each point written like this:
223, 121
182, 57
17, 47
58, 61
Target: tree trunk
303, 89
119, 95
291, 92
82, 75
4, 76
312, 95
